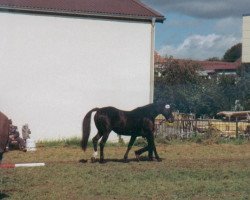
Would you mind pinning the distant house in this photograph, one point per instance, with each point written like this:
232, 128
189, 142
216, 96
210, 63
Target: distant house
61, 58
208, 68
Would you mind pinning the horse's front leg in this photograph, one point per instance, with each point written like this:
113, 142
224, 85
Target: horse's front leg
152, 148
130, 144
150, 140
156, 154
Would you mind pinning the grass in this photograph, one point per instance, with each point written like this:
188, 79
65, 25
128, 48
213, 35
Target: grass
73, 142
188, 171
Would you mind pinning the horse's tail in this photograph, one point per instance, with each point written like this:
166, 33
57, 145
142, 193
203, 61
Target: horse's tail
86, 128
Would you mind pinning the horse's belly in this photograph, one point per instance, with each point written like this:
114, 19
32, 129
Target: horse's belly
121, 131
128, 132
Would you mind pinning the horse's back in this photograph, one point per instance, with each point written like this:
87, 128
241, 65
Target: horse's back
110, 118
4, 131
110, 112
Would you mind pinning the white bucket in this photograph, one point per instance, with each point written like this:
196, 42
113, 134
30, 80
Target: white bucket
30, 145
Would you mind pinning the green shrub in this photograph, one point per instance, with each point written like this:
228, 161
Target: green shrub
74, 141
162, 140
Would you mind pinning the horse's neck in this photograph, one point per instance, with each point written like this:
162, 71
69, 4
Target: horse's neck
147, 110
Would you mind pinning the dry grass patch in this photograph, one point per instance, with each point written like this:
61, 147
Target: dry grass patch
188, 171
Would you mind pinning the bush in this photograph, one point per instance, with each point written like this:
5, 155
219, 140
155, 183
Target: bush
74, 141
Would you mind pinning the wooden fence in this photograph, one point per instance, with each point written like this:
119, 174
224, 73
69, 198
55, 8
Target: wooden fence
186, 128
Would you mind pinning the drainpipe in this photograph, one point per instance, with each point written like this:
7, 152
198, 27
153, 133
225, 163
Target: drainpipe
151, 93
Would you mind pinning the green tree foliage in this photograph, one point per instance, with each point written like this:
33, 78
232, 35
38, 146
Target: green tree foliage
182, 85
234, 53
178, 72
214, 59
179, 84
243, 86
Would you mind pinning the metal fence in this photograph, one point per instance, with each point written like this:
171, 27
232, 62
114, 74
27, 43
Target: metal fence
186, 128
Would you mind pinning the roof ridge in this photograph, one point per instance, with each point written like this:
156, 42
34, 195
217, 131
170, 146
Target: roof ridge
147, 7
218, 62
139, 10
38, 8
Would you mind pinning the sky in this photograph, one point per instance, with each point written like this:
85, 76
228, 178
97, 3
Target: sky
198, 29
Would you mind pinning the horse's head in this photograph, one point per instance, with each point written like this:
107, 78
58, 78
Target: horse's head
166, 111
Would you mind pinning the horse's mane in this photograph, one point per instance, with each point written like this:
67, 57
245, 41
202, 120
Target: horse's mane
143, 109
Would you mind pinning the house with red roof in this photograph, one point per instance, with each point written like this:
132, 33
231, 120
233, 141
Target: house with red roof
208, 68
60, 58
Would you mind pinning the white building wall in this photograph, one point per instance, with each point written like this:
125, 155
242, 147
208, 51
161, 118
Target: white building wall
53, 70
246, 40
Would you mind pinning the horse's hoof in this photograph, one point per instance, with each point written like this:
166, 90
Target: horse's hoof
137, 157
102, 161
93, 159
159, 159
83, 161
150, 159
125, 160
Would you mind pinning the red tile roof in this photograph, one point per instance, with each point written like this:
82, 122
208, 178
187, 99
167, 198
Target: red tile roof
128, 9
205, 65
218, 65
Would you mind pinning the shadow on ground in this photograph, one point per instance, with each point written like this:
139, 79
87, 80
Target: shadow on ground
4, 196
142, 159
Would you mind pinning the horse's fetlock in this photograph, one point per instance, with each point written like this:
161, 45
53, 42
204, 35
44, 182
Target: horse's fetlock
93, 159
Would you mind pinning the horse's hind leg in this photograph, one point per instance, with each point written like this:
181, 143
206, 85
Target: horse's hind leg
144, 149
150, 148
140, 151
130, 144
102, 144
95, 144
1, 156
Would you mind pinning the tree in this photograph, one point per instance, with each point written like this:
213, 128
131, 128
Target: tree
243, 85
214, 59
180, 84
180, 71
227, 86
234, 53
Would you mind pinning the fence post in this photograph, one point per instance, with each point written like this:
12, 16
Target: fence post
237, 128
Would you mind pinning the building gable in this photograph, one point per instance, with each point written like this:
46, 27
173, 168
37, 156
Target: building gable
118, 9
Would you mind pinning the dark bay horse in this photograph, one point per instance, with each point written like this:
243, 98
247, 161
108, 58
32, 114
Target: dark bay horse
4, 133
138, 122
